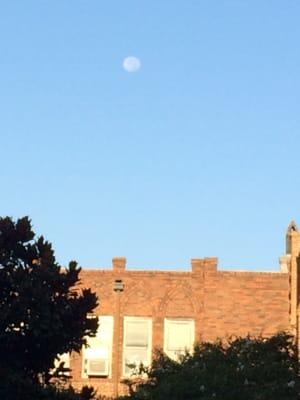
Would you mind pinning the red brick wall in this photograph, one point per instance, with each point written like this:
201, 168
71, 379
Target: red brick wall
222, 303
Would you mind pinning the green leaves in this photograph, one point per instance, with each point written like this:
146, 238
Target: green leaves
41, 313
242, 369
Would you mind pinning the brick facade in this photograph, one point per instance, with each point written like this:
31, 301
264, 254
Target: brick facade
221, 303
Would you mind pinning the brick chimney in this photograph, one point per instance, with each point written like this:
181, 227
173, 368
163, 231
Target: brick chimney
204, 264
197, 265
119, 264
211, 264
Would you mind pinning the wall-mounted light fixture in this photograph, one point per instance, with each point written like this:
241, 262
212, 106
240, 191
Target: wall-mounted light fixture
119, 285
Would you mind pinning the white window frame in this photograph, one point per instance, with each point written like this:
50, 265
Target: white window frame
149, 347
168, 322
84, 373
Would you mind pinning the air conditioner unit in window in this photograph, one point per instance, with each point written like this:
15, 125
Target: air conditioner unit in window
97, 367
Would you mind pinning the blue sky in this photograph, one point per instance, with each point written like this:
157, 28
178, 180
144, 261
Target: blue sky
196, 154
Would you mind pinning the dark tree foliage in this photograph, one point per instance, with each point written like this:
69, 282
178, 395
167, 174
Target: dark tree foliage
242, 369
18, 388
41, 313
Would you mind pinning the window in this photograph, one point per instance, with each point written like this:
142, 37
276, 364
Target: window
179, 336
97, 356
62, 358
137, 343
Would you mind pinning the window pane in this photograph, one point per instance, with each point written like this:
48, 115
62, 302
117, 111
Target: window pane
65, 358
93, 342
136, 333
104, 333
179, 336
99, 348
103, 337
137, 343
136, 356
97, 352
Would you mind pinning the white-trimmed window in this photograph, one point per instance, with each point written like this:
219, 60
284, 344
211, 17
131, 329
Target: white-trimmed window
179, 336
97, 355
137, 343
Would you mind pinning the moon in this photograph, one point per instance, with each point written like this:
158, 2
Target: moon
131, 64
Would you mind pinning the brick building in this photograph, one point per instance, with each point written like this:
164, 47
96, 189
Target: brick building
143, 310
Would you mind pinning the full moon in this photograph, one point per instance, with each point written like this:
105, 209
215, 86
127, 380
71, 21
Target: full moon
131, 64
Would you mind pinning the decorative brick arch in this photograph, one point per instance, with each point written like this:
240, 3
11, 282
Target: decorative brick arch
179, 301
138, 299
